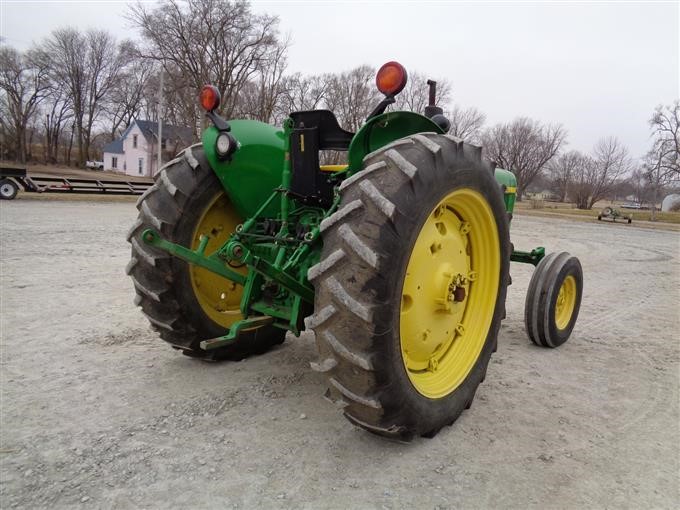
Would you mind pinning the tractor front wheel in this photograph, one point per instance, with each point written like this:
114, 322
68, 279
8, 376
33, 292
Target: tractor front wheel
553, 299
185, 303
411, 286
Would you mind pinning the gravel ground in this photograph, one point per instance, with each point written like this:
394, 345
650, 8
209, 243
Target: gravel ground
99, 413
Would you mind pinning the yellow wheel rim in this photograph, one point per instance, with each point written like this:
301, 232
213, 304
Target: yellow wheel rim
449, 293
219, 297
566, 301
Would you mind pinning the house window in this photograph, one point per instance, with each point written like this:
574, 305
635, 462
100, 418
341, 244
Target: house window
134, 141
114, 162
164, 143
140, 166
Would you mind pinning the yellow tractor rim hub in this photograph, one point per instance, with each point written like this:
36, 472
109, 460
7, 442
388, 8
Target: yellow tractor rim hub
566, 301
449, 293
219, 297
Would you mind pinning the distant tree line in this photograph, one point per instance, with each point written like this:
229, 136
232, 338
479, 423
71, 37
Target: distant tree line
610, 171
74, 91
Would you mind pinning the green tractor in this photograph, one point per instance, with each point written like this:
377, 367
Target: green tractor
398, 260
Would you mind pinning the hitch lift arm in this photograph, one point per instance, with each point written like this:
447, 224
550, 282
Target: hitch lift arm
212, 263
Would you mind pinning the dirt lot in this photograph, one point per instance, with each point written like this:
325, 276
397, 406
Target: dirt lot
96, 411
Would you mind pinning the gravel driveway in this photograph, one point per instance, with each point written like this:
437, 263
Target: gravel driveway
97, 412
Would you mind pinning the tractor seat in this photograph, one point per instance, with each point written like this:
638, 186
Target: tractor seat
331, 135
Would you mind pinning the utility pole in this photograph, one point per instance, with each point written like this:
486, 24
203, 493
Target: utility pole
160, 125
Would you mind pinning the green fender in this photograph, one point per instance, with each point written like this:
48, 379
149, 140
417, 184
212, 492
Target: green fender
383, 129
255, 169
508, 183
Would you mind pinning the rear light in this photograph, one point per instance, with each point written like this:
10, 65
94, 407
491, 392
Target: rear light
391, 78
210, 98
225, 145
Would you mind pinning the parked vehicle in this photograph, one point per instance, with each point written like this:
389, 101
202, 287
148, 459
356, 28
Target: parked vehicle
96, 165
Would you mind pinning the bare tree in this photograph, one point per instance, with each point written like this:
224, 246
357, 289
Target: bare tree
415, 96
561, 171
595, 179
466, 123
658, 174
207, 41
127, 96
523, 146
303, 93
57, 112
261, 97
665, 124
87, 66
352, 95
23, 81
639, 185
67, 51
106, 62
6, 131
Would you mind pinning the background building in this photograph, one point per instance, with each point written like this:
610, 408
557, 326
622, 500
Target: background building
136, 151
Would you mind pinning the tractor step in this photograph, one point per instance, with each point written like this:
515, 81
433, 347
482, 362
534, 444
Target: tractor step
235, 330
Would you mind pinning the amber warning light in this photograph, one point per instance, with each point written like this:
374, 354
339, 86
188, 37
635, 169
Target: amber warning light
391, 78
210, 98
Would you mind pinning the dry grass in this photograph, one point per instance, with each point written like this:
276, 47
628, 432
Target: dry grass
636, 214
664, 220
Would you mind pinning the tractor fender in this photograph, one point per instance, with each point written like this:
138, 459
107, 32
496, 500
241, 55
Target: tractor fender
255, 168
384, 129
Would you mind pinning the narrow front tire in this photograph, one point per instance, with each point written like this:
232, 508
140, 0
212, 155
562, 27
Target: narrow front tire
553, 300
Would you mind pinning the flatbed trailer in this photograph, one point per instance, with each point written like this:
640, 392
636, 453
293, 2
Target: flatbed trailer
12, 179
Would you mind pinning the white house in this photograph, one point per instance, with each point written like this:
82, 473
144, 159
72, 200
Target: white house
136, 152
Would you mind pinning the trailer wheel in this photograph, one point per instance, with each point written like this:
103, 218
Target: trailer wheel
553, 299
185, 303
411, 286
8, 189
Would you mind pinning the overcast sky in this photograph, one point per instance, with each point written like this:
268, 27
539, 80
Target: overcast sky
599, 68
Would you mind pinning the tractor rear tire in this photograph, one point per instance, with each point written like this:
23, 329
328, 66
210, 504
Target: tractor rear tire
186, 191
553, 299
420, 205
